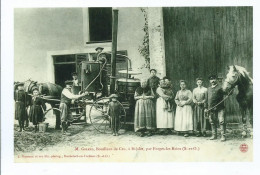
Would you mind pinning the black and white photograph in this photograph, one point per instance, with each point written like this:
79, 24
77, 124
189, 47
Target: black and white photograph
132, 84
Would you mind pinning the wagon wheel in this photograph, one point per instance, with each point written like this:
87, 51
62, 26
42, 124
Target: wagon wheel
51, 109
99, 118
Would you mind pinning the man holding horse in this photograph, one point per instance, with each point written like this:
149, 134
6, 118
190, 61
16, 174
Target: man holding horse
215, 108
66, 99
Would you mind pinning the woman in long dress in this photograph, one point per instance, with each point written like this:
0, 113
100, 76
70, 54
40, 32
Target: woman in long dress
199, 99
183, 117
145, 120
164, 116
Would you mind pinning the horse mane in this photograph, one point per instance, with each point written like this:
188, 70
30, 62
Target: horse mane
244, 72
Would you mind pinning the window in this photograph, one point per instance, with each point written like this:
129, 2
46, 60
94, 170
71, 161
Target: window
100, 24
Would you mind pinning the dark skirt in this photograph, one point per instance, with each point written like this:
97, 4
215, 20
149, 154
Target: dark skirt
200, 122
36, 114
145, 115
20, 111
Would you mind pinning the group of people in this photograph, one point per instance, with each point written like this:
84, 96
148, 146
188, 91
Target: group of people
22, 102
159, 109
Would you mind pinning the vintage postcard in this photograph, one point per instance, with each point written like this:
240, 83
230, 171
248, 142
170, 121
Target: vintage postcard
133, 84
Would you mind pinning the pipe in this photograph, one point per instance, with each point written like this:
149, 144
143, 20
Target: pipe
114, 49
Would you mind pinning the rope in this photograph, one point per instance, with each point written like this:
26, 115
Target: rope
221, 100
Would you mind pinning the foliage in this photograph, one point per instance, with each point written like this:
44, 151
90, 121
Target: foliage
144, 48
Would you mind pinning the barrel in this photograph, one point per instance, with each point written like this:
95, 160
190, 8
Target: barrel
127, 85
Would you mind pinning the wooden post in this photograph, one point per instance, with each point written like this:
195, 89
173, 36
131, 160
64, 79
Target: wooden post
114, 49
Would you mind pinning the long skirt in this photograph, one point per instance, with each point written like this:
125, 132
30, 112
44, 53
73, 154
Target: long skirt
20, 111
183, 118
66, 115
35, 114
164, 118
144, 115
200, 122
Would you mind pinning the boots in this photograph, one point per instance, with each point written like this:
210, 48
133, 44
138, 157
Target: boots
35, 128
214, 132
223, 137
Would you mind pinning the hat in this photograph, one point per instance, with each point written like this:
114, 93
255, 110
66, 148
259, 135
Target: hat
113, 96
20, 84
74, 74
69, 82
99, 48
199, 78
153, 70
212, 77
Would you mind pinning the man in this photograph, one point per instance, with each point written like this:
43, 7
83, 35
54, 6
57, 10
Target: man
153, 81
75, 79
100, 55
66, 99
215, 108
20, 105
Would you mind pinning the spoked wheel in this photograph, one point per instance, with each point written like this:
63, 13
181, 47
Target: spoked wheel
56, 110
99, 118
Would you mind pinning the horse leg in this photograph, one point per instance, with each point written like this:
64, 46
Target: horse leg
243, 114
251, 120
58, 120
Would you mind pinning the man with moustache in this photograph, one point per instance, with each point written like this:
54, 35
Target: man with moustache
215, 108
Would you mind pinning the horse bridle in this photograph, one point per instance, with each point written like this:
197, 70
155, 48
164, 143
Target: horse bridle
233, 84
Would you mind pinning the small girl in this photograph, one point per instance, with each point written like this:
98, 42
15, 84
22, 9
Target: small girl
114, 111
36, 109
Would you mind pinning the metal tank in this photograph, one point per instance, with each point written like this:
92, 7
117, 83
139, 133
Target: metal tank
93, 77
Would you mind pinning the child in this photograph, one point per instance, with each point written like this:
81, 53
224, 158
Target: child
36, 109
20, 105
114, 111
167, 89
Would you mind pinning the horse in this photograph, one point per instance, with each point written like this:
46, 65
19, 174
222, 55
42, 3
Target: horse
49, 92
238, 76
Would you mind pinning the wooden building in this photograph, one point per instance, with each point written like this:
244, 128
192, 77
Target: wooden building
199, 41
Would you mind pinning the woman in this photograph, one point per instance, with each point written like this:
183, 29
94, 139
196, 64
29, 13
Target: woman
144, 110
199, 99
165, 117
183, 118
36, 109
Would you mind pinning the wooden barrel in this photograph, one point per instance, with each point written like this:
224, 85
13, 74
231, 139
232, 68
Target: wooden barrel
127, 85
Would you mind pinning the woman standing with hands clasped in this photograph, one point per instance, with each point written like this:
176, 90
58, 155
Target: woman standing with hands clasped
183, 117
199, 99
145, 120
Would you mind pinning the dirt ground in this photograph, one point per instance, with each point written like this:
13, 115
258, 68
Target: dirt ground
85, 136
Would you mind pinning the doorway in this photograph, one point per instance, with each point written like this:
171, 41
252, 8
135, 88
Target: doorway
63, 73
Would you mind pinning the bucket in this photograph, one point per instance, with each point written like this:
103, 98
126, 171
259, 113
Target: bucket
43, 127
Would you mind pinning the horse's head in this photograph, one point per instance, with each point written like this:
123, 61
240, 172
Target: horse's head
232, 78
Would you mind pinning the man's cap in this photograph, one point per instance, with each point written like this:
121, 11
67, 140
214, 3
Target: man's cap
153, 70
99, 48
113, 96
68, 82
212, 77
74, 74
